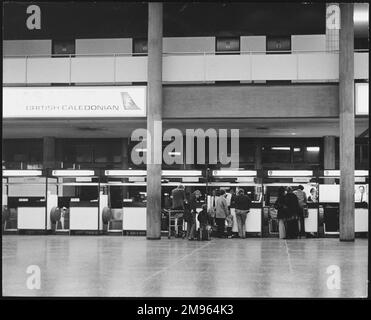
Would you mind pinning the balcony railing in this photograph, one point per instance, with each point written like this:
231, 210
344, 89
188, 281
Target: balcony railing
184, 67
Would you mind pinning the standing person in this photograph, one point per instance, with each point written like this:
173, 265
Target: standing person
243, 204
229, 221
212, 204
292, 203
313, 195
178, 200
191, 223
205, 223
281, 207
302, 199
221, 213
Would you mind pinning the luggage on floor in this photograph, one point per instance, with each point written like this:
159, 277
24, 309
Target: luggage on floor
203, 234
292, 229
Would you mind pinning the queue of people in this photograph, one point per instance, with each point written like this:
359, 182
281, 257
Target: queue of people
216, 216
291, 209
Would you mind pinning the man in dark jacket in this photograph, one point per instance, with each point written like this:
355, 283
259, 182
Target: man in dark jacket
191, 221
243, 205
178, 198
293, 210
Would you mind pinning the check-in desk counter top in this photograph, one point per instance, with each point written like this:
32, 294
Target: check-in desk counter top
84, 215
311, 222
253, 219
31, 215
361, 212
134, 216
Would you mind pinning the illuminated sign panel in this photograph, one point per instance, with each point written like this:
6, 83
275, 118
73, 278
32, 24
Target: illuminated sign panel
74, 102
361, 95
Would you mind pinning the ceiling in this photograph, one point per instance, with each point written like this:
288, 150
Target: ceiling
113, 128
118, 19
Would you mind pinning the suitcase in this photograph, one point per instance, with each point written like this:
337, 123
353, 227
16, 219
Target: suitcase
292, 229
203, 234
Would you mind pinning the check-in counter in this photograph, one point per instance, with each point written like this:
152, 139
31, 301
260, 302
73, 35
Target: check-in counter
329, 199
76, 194
233, 180
126, 200
84, 215
26, 200
274, 179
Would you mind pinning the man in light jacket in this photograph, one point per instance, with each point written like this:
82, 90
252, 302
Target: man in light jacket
221, 212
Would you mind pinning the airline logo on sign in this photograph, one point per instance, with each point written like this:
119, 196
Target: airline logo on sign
128, 102
74, 102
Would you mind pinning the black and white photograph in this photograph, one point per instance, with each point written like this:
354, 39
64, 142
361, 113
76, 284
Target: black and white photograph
185, 150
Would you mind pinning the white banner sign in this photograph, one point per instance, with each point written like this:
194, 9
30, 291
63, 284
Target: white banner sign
361, 93
74, 102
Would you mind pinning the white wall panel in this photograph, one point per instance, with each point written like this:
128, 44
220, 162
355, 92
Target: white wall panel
309, 42
89, 69
274, 67
131, 69
48, 70
14, 70
318, 66
27, 47
104, 46
189, 44
253, 43
184, 68
361, 65
228, 67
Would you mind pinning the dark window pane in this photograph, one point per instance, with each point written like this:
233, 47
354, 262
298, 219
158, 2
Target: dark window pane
272, 154
312, 154
298, 154
83, 153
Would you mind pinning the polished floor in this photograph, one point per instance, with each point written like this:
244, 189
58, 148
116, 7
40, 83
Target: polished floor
133, 266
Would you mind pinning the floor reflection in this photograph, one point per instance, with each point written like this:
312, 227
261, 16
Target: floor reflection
133, 266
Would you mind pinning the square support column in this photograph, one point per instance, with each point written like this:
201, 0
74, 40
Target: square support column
154, 120
48, 152
347, 136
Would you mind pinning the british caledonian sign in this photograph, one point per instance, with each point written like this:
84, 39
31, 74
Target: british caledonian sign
74, 102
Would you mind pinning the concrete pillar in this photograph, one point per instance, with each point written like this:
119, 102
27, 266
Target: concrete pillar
347, 137
258, 156
48, 152
125, 160
329, 156
154, 118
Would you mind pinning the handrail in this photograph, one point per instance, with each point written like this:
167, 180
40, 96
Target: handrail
130, 54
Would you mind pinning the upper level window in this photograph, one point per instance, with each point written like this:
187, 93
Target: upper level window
279, 44
228, 45
277, 153
140, 46
63, 48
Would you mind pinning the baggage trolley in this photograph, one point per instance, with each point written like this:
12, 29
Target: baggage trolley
174, 215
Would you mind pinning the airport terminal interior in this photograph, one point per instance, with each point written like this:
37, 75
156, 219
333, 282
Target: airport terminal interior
246, 96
